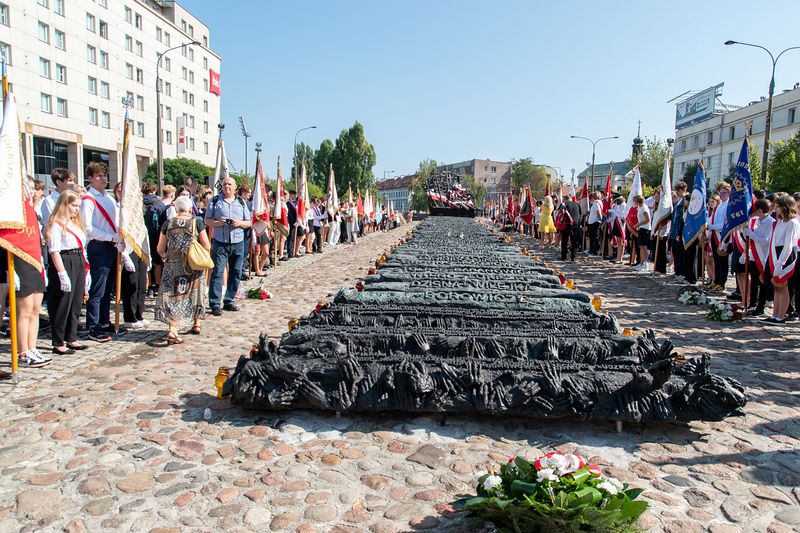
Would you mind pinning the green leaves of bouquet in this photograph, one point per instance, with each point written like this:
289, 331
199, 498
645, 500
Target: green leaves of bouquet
555, 492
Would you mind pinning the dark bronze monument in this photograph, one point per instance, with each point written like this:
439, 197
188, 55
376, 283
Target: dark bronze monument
457, 320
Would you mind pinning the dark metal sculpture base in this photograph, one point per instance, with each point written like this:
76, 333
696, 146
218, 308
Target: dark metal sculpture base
459, 321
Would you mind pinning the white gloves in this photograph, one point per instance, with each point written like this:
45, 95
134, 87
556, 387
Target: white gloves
66, 284
127, 263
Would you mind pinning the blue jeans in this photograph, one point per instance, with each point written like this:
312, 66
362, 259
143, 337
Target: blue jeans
224, 254
102, 266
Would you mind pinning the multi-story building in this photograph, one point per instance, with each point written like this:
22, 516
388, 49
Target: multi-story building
494, 175
621, 177
71, 62
398, 190
717, 139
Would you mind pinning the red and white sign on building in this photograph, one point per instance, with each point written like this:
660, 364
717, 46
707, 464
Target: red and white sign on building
213, 86
180, 123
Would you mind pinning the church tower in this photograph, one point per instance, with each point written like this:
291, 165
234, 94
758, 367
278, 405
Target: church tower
638, 144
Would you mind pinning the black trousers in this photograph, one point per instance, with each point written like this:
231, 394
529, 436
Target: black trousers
569, 239
720, 265
661, 254
594, 238
766, 290
317, 246
689, 262
290, 240
676, 246
64, 308
134, 288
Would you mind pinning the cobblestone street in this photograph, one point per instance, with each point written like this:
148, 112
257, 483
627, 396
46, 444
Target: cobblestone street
116, 438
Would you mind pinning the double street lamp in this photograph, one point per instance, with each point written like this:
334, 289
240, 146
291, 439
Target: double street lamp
159, 151
385, 172
768, 124
594, 146
296, 186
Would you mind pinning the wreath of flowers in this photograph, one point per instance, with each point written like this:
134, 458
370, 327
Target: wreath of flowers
258, 293
555, 492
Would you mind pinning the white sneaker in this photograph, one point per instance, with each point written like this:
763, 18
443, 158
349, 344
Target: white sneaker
30, 359
133, 325
144, 322
640, 266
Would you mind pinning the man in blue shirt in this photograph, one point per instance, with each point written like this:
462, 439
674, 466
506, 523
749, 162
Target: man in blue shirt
228, 216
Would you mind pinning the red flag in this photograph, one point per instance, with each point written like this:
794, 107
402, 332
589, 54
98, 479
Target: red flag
511, 210
280, 216
25, 242
585, 192
607, 199
526, 210
547, 187
359, 205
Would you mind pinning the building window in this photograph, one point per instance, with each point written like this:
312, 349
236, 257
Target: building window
60, 39
750, 129
58, 7
191, 54
494, 169
139, 75
93, 116
90, 22
140, 129
44, 32
139, 48
61, 107
103, 27
710, 137
205, 106
4, 15
205, 63
184, 50
792, 115
205, 41
167, 64
730, 158
191, 99
695, 141
104, 89
61, 73
42, 3
168, 137
46, 103
129, 95
184, 72
683, 166
183, 26
128, 43
205, 126
731, 133
191, 121
128, 15
205, 84
106, 117
104, 59
140, 103
129, 71
138, 20
191, 143
205, 147
191, 77
91, 54
191, 30
166, 38
44, 68
103, 3
168, 113
168, 89
159, 34
185, 97
92, 85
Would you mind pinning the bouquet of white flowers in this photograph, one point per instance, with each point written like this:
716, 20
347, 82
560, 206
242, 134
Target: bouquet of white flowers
720, 311
691, 297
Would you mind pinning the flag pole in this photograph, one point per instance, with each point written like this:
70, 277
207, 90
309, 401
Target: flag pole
125, 147
655, 253
12, 286
746, 291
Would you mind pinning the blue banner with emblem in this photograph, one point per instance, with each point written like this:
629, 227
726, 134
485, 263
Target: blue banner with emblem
741, 199
696, 216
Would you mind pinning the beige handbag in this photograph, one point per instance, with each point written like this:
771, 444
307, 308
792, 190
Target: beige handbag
197, 257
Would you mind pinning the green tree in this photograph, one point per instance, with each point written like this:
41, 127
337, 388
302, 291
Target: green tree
784, 165
303, 154
652, 165
176, 170
419, 193
476, 189
689, 172
525, 173
322, 161
755, 169
353, 158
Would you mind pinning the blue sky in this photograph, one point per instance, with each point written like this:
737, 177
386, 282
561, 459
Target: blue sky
454, 80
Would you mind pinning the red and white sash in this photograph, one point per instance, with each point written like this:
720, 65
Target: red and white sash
782, 269
102, 210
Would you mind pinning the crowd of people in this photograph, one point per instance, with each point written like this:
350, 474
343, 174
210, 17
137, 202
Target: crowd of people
81, 245
761, 255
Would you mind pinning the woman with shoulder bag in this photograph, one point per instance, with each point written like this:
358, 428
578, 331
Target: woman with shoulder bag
182, 293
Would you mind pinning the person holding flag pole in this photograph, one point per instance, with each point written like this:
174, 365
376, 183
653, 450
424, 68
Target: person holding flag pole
280, 218
694, 227
334, 218
607, 199
20, 240
261, 220
632, 213
737, 216
662, 218
221, 168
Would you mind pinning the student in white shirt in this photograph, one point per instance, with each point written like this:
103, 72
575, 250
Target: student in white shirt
643, 231
783, 255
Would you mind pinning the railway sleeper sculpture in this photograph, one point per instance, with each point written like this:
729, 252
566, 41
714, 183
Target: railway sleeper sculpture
424, 335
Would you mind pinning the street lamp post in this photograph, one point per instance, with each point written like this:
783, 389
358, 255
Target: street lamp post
159, 151
768, 123
296, 186
385, 172
594, 146
246, 134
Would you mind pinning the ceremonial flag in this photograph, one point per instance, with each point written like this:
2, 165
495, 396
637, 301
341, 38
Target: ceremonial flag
526, 210
260, 207
631, 211
696, 217
572, 189
221, 170
359, 204
585, 191
663, 212
302, 199
280, 216
390, 211
131, 216
368, 209
19, 228
547, 186
511, 211
741, 199
607, 197
333, 196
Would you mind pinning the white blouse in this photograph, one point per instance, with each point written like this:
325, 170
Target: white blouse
60, 240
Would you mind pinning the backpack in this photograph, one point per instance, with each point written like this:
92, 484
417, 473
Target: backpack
563, 219
152, 218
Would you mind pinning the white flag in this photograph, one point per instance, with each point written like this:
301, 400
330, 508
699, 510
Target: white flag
636, 190
664, 209
333, 196
131, 216
12, 179
221, 171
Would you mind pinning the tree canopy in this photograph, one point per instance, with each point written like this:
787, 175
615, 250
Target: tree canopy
784, 165
176, 170
524, 173
322, 161
652, 166
353, 158
419, 198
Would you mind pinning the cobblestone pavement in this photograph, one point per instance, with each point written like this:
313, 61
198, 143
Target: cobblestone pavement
117, 439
